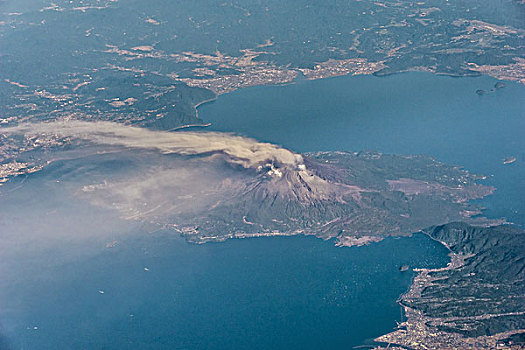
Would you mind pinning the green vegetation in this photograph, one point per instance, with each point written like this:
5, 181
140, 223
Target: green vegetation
486, 295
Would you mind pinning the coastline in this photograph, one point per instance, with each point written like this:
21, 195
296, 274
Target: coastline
422, 330
196, 107
196, 111
330, 69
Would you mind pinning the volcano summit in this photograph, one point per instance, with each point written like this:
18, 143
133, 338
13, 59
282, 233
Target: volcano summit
214, 186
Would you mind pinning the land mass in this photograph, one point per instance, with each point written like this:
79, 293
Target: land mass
476, 302
216, 186
355, 198
181, 54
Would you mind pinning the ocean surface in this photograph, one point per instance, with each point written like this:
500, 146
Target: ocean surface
160, 292
409, 113
64, 287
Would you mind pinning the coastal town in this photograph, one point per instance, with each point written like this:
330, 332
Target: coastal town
422, 330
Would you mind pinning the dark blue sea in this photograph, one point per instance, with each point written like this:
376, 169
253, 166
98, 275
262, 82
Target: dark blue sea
267, 293
152, 290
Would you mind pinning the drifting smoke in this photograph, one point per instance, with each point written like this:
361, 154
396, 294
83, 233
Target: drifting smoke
240, 150
141, 183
